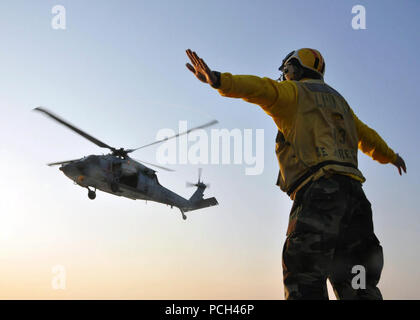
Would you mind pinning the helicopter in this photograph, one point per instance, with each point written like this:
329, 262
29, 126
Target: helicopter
119, 174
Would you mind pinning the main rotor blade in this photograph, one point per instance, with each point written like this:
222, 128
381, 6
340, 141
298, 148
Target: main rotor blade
77, 130
175, 136
61, 162
154, 165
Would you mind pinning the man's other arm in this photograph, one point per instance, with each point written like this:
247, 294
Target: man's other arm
371, 143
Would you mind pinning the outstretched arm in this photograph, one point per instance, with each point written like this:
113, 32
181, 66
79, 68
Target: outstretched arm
371, 143
277, 99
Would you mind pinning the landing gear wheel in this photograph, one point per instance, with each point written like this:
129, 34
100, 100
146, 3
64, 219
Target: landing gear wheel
183, 215
91, 194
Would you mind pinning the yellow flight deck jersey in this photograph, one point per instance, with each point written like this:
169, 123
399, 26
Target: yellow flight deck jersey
318, 132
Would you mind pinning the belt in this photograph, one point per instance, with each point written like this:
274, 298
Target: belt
314, 169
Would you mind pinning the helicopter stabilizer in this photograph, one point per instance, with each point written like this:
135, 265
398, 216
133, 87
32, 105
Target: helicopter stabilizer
204, 203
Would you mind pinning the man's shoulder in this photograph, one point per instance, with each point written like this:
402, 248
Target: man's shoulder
318, 85
287, 83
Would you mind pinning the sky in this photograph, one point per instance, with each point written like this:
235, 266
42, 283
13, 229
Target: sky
118, 71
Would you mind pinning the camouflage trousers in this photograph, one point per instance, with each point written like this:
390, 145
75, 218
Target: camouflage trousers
331, 231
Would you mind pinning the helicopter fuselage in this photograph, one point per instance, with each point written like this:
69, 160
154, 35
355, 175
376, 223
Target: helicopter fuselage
122, 177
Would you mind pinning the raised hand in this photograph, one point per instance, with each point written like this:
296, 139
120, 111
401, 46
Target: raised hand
400, 164
200, 68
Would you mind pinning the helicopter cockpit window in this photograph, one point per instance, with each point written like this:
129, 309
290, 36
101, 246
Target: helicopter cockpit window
92, 159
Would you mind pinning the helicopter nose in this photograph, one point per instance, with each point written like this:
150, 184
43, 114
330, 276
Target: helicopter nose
70, 170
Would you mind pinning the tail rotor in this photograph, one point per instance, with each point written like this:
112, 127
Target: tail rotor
199, 183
